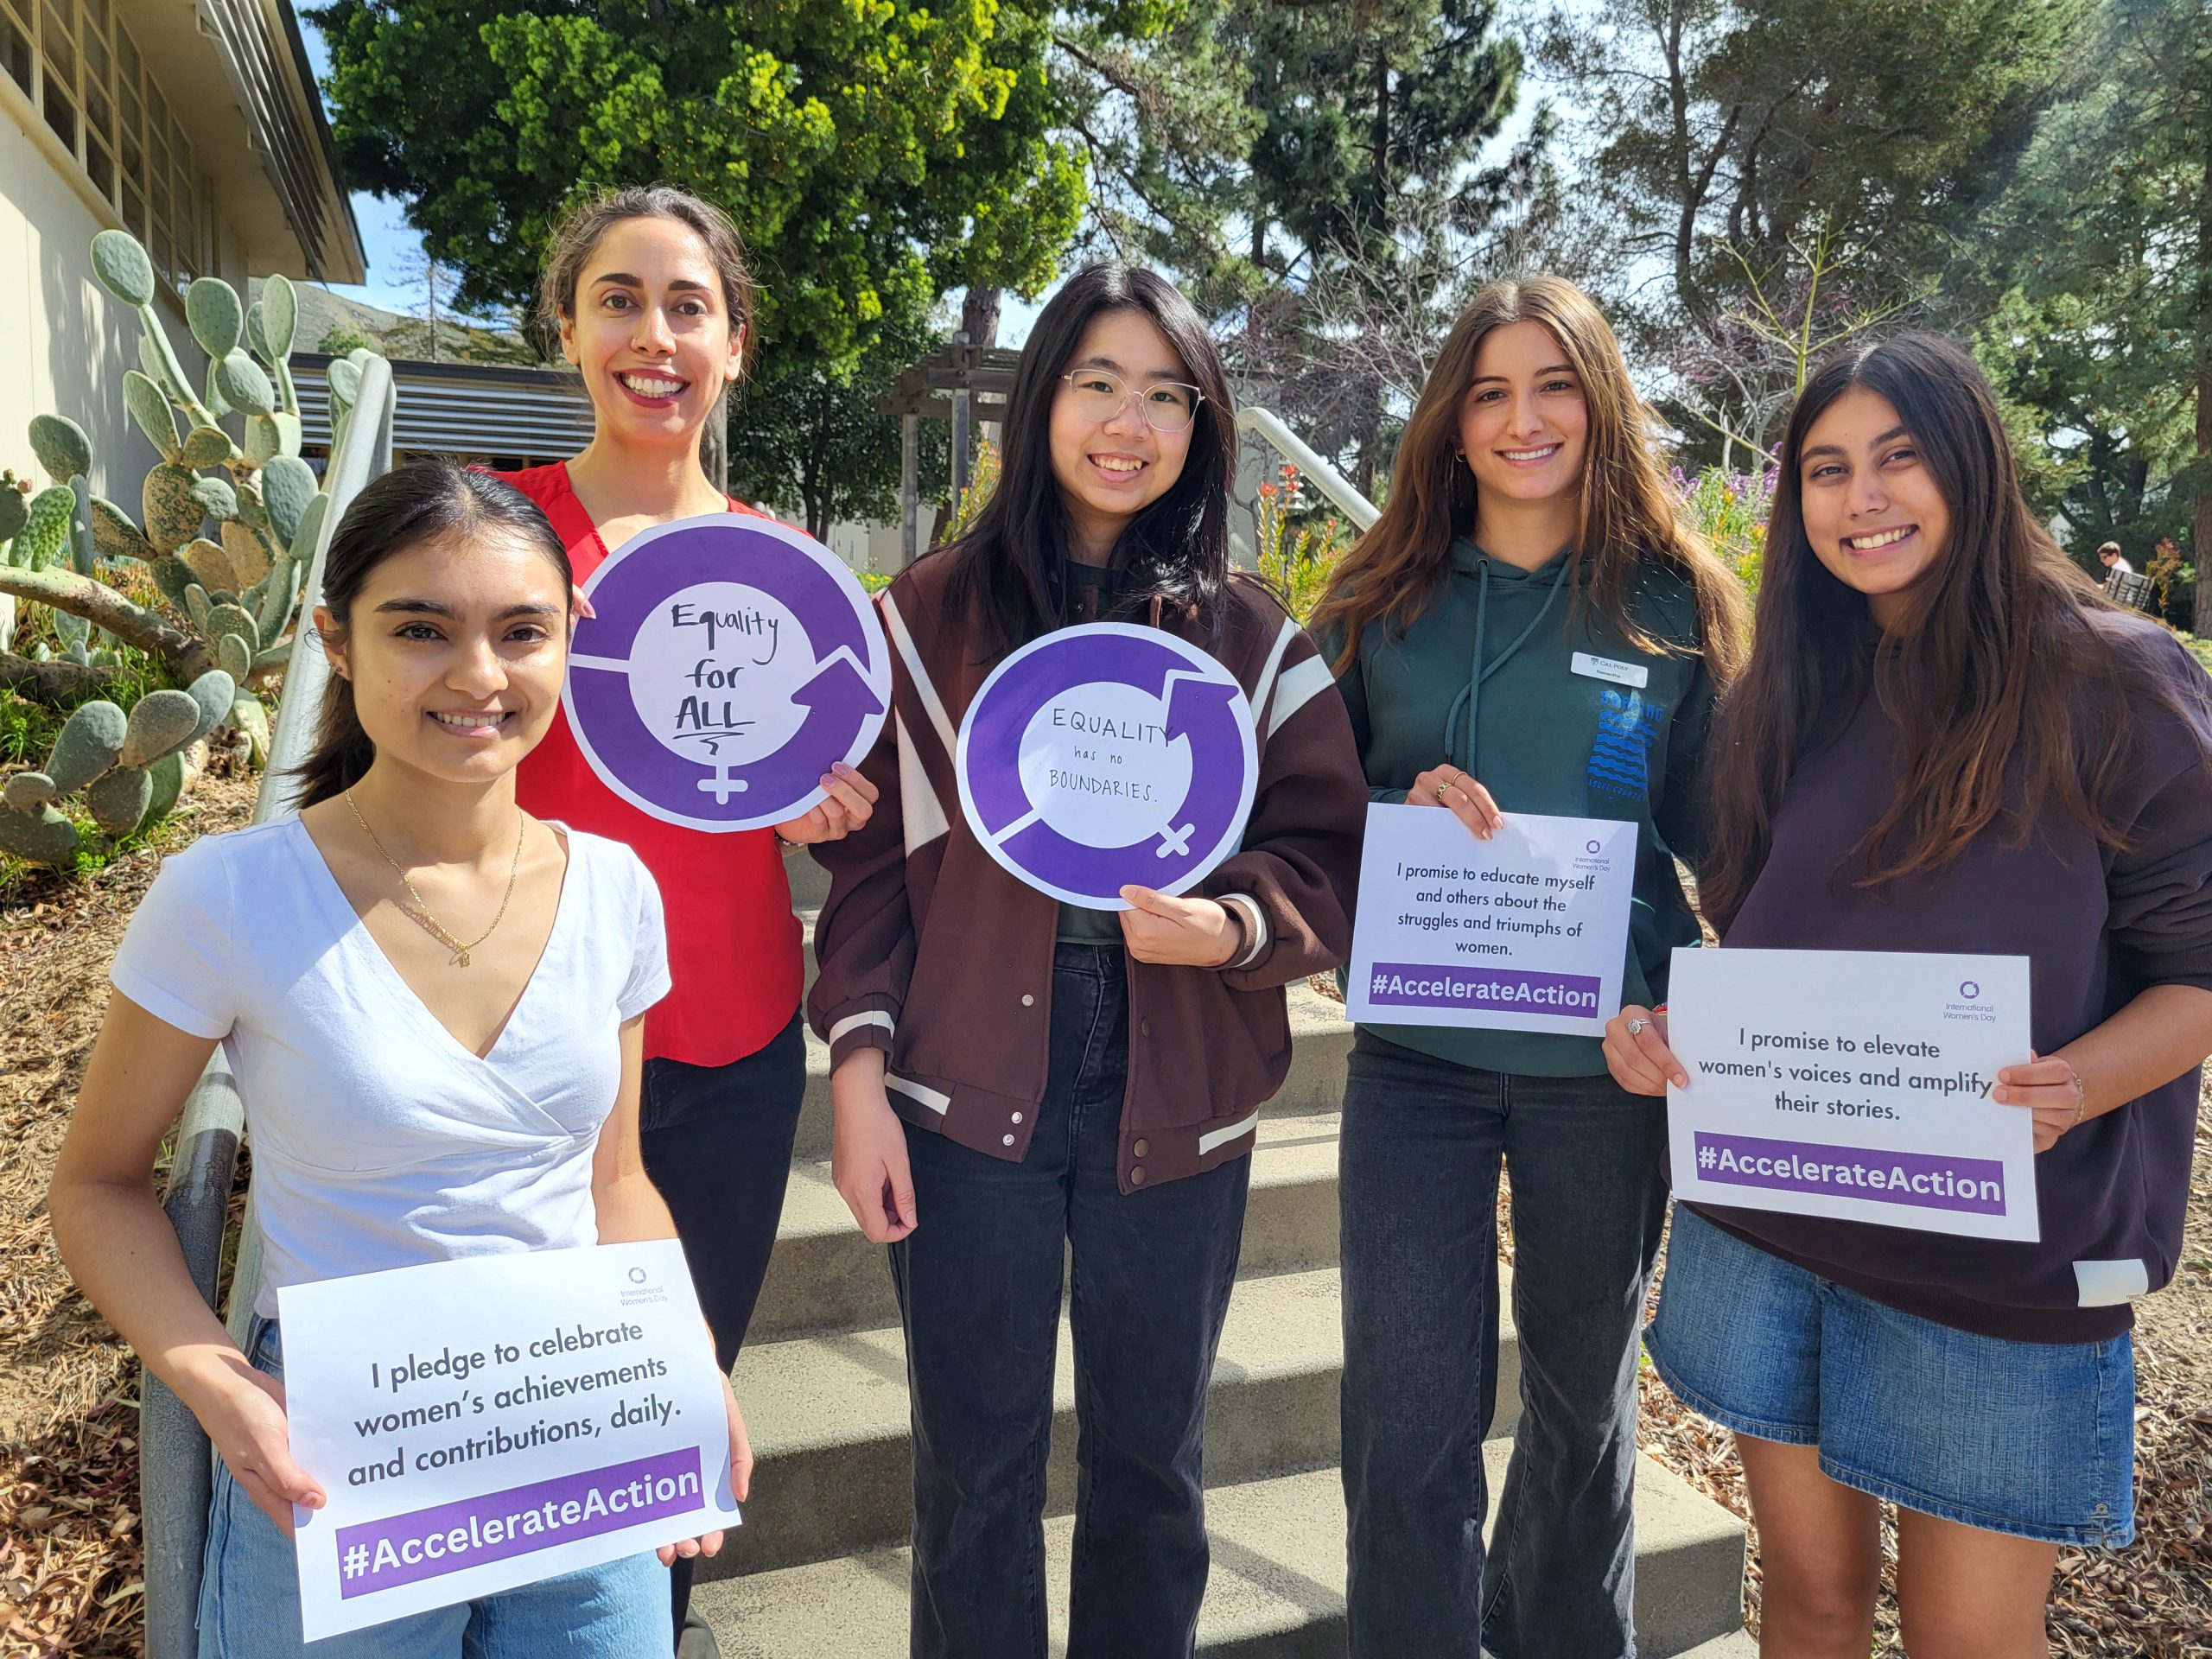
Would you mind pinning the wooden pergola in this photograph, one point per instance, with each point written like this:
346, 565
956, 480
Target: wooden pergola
961, 384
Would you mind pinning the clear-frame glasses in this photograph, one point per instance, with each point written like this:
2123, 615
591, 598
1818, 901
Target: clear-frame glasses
1166, 405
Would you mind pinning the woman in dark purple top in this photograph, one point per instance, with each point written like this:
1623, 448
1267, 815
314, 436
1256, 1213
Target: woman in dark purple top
1948, 740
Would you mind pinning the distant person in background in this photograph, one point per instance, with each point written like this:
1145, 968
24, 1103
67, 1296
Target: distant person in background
648, 290
2108, 556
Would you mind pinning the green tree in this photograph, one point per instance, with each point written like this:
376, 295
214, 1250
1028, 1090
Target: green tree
2103, 245
1793, 170
806, 436
1368, 197
873, 152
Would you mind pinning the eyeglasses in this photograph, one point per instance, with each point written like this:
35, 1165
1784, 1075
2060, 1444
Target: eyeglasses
1166, 405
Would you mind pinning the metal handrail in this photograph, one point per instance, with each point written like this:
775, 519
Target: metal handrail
1270, 426
177, 1468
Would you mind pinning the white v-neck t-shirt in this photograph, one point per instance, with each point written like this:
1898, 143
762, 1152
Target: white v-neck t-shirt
378, 1140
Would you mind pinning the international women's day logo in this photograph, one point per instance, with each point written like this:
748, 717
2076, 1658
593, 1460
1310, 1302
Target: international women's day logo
730, 661
1105, 756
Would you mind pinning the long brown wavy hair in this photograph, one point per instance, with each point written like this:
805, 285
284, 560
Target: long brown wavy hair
1628, 519
2009, 697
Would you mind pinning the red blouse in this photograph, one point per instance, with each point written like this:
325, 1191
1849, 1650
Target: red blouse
732, 942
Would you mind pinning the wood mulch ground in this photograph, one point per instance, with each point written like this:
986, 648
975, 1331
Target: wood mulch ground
71, 1566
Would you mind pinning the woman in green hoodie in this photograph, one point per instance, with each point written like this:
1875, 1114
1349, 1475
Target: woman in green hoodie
1526, 628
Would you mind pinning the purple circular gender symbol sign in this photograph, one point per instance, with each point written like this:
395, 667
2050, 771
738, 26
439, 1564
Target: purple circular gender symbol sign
1105, 756
730, 661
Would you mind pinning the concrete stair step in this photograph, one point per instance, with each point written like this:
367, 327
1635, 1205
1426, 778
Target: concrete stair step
824, 1276
1276, 1589
830, 1421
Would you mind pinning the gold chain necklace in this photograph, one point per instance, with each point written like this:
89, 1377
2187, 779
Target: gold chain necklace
420, 914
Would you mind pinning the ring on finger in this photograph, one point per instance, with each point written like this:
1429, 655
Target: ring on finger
1636, 1027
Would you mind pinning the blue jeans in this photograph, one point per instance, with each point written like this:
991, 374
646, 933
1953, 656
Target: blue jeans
979, 1292
249, 1596
1422, 1143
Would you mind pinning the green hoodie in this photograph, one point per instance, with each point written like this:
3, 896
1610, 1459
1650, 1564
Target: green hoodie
1545, 739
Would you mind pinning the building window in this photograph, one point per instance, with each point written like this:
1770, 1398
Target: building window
83, 72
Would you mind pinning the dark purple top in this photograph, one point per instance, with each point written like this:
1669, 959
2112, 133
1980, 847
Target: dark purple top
2099, 926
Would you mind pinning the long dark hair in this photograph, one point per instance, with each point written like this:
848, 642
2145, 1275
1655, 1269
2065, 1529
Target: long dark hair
1011, 560
1627, 517
1985, 674
422, 501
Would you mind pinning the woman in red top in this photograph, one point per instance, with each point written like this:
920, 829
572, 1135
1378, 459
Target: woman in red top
649, 290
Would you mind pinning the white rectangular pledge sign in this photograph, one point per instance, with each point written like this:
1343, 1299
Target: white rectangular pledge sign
1525, 932
1852, 1084
489, 1422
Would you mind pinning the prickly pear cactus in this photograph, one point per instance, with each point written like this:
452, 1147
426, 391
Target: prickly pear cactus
44, 538
40, 836
90, 740
61, 447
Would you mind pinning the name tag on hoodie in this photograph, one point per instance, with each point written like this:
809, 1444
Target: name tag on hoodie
1605, 668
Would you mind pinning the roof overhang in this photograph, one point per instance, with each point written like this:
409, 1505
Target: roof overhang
236, 73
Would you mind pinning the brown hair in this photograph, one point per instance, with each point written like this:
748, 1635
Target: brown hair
1986, 675
1627, 511
587, 219
425, 500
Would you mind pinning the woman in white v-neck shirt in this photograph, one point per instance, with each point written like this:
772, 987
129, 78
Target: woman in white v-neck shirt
433, 1004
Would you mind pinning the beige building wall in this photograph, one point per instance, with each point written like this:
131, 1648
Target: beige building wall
65, 342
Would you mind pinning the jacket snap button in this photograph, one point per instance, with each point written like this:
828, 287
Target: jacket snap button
1136, 1176
1016, 1118
1028, 1002
1141, 1148
1009, 1141
1144, 1027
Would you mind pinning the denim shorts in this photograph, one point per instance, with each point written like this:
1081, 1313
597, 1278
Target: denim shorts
2034, 1440
250, 1595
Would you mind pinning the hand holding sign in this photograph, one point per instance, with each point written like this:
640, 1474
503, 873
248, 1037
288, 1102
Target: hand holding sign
1107, 756
726, 665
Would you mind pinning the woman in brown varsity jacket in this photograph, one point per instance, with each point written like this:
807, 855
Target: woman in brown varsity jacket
1013, 1076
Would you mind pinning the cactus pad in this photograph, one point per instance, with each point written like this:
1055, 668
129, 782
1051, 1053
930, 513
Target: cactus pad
172, 577
43, 837
26, 792
211, 306
210, 566
206, 446
14, 508
280, 315
173, 516
234, 618
61, 447
214, 692
244, 385
250, 553
345, 381
114, 537
83, 556
168, 774
117, 800
277, 594
235, 656
150, 407
301, 546
159, 721
123, 267
288, 483
45, 535
216, 496
87, 746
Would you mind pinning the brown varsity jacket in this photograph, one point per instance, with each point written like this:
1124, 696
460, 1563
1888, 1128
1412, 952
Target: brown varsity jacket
933, 953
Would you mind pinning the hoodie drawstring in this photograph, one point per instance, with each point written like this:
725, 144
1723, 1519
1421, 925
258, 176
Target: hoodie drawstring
1470, 695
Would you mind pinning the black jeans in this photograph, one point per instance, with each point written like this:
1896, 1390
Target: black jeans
717, 1142
979, 1290
1422, 1142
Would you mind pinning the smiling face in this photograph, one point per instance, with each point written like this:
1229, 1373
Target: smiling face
1109, 466
651, 332
1872, 510
455, 648
1525, 426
